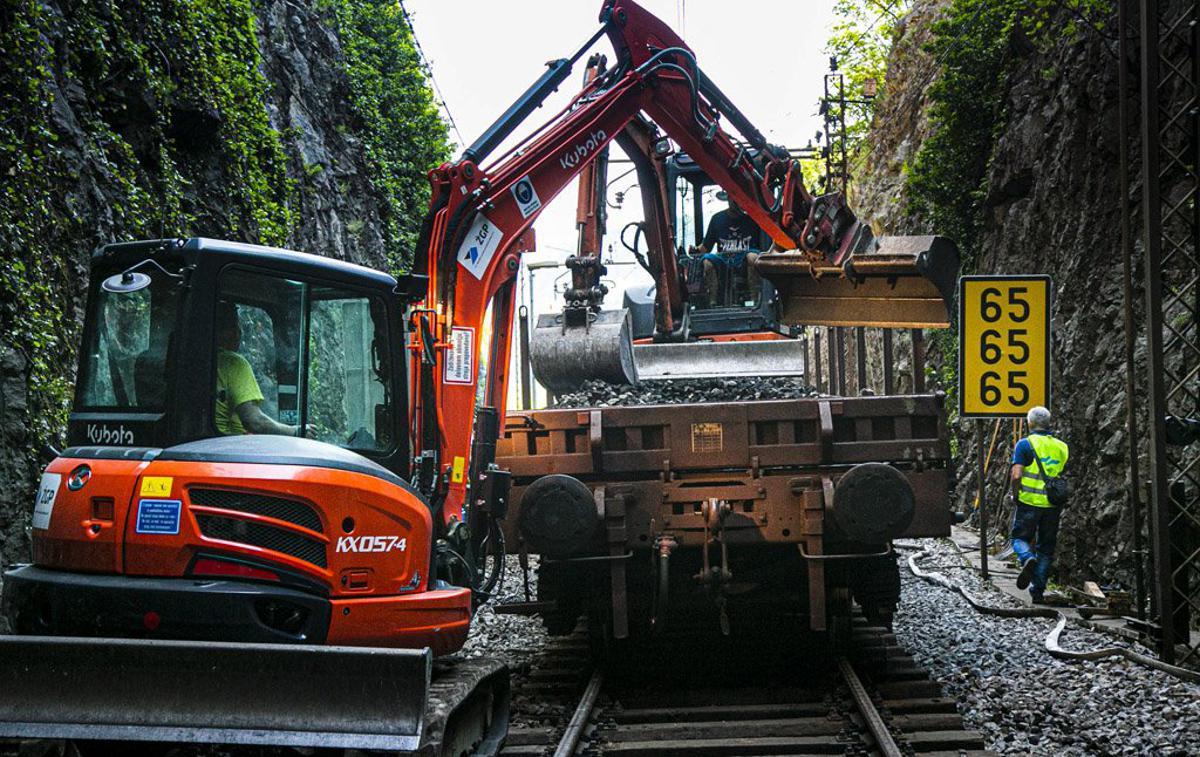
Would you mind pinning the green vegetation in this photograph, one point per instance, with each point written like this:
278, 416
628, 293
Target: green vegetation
978, 45
145, 118
391, 96
861, 39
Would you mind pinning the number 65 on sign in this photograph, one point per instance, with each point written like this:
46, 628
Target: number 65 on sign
1003, 345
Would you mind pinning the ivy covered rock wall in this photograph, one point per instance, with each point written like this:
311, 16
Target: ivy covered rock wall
299, 123
998, 127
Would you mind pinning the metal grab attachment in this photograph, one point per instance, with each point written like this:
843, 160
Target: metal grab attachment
905, 282
213, 692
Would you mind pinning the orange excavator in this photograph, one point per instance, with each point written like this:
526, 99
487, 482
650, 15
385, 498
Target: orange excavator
280, 501
748, 325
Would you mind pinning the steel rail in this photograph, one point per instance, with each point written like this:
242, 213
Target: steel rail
884, 741
583, 713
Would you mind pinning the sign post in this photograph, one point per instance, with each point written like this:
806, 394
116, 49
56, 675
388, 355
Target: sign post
1003, 358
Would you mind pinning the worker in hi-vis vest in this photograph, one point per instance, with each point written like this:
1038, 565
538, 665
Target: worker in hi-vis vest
1035, 524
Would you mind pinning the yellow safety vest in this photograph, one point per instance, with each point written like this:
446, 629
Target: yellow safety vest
1053, 453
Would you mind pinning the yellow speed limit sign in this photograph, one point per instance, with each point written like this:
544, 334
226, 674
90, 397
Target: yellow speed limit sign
1004, 345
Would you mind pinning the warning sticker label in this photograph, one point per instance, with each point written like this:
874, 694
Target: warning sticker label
158, 516
526, 196
480, 245
708, 437
459, 365
156, 486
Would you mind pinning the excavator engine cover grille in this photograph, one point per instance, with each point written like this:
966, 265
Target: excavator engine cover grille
262, 535
279, 508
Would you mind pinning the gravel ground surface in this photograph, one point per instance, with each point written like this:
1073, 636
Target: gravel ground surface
1023, 700
600, 394
516, 639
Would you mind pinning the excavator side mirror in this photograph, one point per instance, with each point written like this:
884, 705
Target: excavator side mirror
412, 287
126, 282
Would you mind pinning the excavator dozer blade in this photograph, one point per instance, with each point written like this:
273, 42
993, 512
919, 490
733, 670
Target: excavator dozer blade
689, 360
57, 687
905, 282
563, 357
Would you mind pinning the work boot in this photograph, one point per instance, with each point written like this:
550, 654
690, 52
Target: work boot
1037, 599
1026, 575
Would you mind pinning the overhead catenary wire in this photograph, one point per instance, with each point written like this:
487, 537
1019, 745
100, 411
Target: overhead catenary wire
412, 30
887, 11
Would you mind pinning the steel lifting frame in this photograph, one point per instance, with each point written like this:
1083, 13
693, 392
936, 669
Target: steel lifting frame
1170, 210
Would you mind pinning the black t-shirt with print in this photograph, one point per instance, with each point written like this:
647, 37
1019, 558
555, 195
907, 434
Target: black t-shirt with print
729, 233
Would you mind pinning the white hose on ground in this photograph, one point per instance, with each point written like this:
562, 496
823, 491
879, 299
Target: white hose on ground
1052, 640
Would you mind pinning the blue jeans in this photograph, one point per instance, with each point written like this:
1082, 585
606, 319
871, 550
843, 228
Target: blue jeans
1035, 528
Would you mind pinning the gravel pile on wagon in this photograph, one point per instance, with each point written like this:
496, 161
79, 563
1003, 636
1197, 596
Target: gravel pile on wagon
1023, 700
684, 391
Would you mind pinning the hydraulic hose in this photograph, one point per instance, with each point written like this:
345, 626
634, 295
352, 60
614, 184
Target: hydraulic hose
1052, 639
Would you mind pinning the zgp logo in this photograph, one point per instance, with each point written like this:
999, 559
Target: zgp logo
526, 196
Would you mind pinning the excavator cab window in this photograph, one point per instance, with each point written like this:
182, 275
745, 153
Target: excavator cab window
126, 362
315, 355
719, 245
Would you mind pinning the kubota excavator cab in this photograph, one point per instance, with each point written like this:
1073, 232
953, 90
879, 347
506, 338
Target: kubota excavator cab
235, 485
732, 322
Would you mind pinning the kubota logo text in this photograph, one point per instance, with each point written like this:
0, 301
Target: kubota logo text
106, 435
371, 544
571, 157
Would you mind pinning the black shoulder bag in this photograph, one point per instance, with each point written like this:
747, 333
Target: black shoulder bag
1058, 489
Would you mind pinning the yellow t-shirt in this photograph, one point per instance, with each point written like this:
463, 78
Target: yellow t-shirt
235, 384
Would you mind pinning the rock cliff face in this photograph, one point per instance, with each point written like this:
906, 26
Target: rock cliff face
1050, 205
140, 120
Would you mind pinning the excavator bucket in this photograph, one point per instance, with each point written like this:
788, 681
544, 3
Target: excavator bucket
904, 282
563, 356
723, 359
56, 687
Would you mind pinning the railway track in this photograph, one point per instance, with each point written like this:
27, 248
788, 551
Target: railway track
691, 694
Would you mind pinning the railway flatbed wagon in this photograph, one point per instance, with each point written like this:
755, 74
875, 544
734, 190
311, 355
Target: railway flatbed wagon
746, 511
